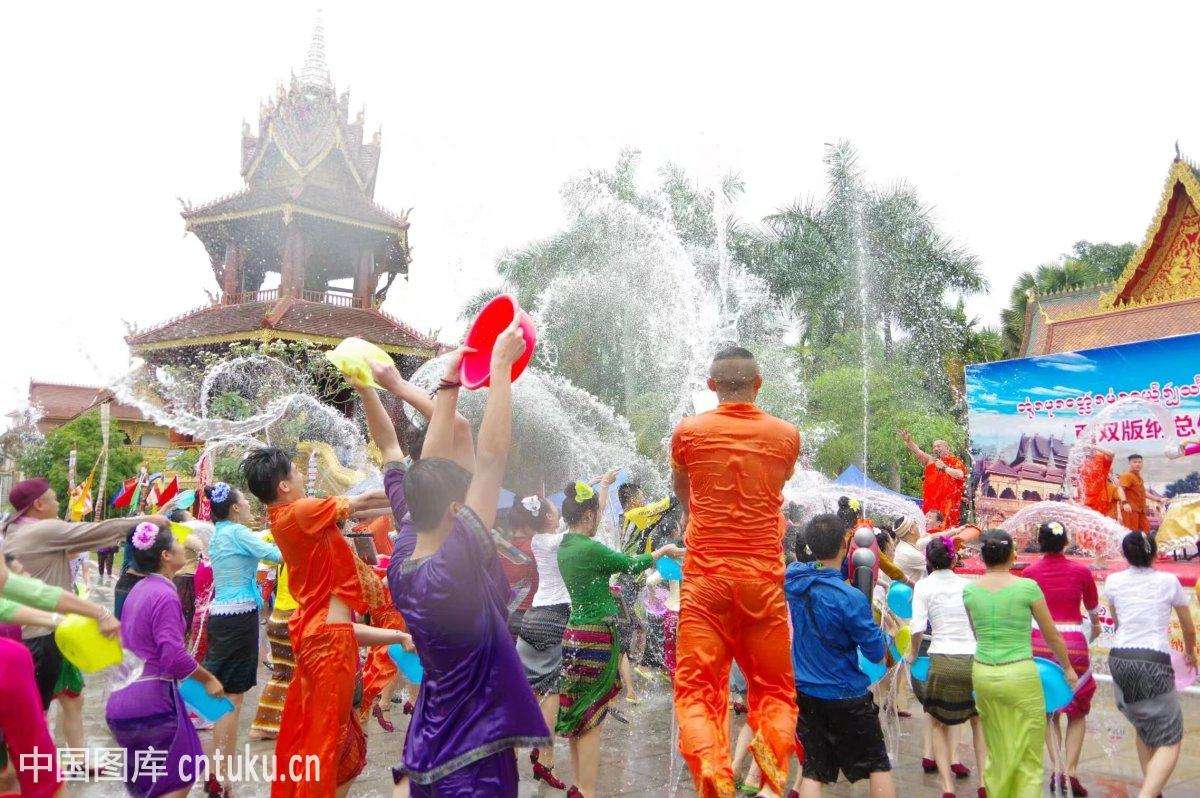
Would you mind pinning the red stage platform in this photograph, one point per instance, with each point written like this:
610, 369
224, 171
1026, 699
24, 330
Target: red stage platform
1186, 571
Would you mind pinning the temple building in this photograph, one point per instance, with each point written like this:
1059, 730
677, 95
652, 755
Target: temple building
302, 252
1034, 474
1157, 295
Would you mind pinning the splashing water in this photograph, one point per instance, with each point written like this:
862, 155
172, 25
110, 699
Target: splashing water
1089, 531
1097, 436
814, 493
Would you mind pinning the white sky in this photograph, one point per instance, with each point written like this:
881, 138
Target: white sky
1027, 127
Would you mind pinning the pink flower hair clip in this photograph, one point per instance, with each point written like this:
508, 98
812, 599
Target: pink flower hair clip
144, 535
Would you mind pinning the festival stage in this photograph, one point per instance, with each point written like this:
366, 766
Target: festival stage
1186, 571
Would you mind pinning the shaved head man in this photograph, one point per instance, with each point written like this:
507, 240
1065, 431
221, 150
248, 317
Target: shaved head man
729, 466
945, 475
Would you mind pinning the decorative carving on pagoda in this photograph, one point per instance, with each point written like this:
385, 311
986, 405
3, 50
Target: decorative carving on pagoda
1166, 267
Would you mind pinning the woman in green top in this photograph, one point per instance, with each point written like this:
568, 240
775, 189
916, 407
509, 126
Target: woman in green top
590, 650
1008, 691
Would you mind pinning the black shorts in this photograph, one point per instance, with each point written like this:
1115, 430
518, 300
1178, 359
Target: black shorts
47, 665
841, 734
233, 650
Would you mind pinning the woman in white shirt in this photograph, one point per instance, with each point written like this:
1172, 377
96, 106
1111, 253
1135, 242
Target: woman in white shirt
1140, 601
947, 691
539, 641
908, 556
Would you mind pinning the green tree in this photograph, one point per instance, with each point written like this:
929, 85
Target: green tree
870, 250
1086, 265
50, 458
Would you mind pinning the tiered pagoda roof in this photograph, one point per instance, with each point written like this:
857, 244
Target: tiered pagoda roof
1156, 296
307, 213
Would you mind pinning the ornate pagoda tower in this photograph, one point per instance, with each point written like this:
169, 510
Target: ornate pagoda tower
307, 214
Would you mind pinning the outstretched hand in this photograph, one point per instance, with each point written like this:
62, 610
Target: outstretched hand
905, 435
669, 550
609, 477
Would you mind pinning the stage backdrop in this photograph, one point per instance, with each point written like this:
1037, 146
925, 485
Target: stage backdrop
1025, 414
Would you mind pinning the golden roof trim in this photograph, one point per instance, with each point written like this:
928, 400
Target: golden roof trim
1182, 173
266, 334
305, 169
287, 209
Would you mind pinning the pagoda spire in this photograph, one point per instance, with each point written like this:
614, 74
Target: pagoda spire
316, 70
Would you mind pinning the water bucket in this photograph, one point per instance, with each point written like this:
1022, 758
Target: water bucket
475, 370
902, 642
899, 600
180, 531
1054, 684
669, 569
354, 356
873, 670
204, 705
408, 662
81, 642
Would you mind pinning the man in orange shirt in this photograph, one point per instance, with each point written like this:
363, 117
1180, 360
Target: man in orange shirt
729, 467
328, 581
1134, 512
945, 475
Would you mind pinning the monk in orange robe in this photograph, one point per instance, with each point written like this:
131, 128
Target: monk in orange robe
1134, 510
729, 466
945, 476
328, 582
1096, 489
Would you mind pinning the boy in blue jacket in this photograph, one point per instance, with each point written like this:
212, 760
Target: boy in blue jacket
831, 621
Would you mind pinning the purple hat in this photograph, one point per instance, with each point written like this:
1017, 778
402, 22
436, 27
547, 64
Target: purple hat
25, 493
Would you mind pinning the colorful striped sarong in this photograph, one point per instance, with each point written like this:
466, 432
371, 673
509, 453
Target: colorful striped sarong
589, 677
270, 702
1077, 652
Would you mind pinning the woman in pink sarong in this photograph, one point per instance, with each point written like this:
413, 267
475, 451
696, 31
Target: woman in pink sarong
1067, 586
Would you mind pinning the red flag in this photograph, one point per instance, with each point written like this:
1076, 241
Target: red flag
125, 494
166, 494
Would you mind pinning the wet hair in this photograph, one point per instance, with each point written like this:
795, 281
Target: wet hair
1139, 549
996, 546
519, 516
733, 353
148, 561
573, 510
1135, 456
221, 510
177, 516
937, 555
1052, 537
847, 513
264, 469
823, 537
431, 486
626, 491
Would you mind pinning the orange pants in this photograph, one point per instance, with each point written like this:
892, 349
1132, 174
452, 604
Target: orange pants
317, 717
722, 619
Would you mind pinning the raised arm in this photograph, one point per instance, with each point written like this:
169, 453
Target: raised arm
379, 425
463, 444
1188, 628
439, 437
495, 433
912, 447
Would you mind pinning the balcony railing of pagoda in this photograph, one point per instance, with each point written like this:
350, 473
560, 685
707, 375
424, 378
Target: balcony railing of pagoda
335, 298
247, 297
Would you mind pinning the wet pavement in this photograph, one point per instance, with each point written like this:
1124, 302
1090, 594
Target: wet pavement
638, 757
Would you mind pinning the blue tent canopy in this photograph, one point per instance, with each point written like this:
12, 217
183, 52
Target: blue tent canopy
854, 476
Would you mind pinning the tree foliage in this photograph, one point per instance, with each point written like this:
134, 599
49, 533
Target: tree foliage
50, 458
1086, 265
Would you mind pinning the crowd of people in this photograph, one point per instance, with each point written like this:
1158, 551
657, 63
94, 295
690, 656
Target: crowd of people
532, 633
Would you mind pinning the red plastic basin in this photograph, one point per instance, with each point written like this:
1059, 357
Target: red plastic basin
475, 370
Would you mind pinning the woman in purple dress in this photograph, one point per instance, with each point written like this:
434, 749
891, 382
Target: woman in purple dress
148, 717
474, 707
